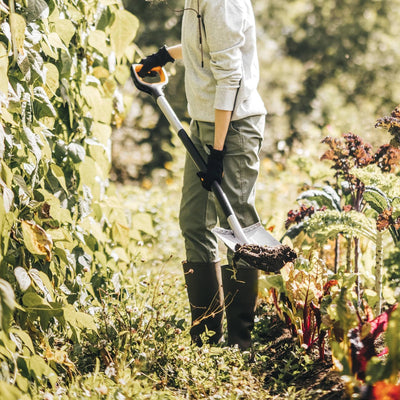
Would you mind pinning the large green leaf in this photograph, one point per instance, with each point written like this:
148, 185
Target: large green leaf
122, 32
52, 79
325, 197
65, 29
98, 40
33, 300
99, 107
376, 199
17, 25
9, 392
79, 319
36, 240
59, 174
144, 223
39, 369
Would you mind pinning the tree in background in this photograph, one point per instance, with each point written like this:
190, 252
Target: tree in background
323, 63
148, 132
327, 62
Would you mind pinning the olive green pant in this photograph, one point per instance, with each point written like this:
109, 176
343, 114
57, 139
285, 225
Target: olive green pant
199, 211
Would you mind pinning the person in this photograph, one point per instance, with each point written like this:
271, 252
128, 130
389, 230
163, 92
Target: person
218, 48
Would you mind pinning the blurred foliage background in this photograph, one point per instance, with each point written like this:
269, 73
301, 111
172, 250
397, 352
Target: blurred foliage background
327, 67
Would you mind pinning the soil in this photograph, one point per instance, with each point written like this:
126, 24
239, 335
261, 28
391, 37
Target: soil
265, 258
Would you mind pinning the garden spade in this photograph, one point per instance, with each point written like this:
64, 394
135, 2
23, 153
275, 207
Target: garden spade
253, 244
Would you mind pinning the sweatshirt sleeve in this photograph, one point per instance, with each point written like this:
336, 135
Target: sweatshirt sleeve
224, 24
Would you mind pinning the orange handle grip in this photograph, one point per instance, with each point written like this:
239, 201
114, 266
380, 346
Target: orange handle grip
153, 88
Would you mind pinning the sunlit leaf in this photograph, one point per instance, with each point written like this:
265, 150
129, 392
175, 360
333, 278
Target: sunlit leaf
76, 152
100, 72
59, 174
42, 282
9, 392
120, 233
102, 132
52, 79
98, 40
99, 107
60, 235
48, 49
120, 254
65, 30
23, 278
38, 368
143, 222
25, 338
36, 240
33, 300
123, 31
55, 41
95, 228
18, 25
85, 321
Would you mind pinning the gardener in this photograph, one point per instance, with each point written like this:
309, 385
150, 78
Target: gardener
228, 116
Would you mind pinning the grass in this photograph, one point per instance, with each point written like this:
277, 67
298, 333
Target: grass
143, 350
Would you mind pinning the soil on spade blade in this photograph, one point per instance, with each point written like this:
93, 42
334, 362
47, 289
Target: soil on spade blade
266, 258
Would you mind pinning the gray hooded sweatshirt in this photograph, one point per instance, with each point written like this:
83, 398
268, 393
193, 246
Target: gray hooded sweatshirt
229, 76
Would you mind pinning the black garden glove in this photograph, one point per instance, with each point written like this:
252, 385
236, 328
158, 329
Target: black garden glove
158, 59
214, 170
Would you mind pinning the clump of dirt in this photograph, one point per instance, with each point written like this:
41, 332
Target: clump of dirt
266, 258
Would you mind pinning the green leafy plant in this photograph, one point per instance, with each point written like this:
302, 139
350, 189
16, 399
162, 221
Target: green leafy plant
362, 203
63, 231
352, 205
298, 292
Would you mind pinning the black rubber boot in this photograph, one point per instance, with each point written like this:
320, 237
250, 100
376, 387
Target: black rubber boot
240, 292
204, 287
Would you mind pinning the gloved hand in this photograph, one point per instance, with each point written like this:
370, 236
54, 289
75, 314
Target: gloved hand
158, 59
214, 170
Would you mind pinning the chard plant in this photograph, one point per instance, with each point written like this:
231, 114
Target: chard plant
298, 292
352, 207
362, 203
